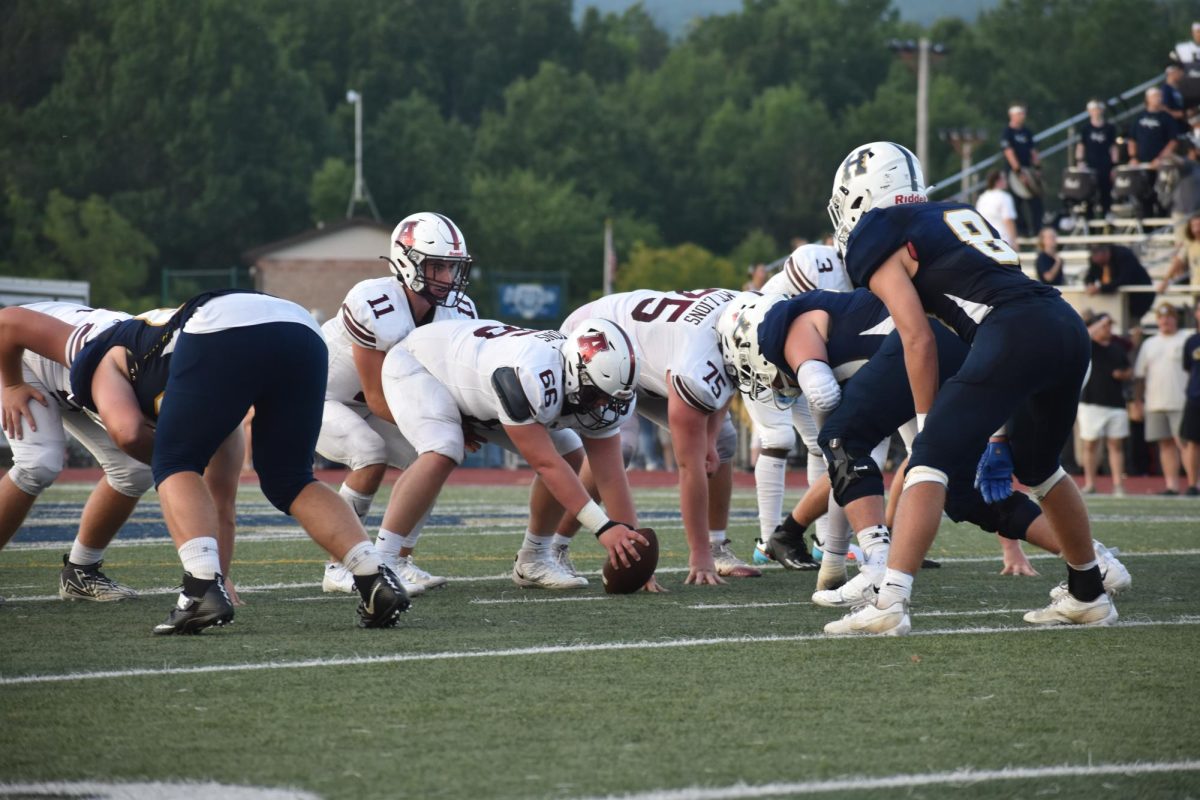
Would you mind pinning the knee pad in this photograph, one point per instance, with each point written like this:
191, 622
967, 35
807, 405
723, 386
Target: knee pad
35, 478
1042, 489
132, 479
727, 441
1010, 518
851, 475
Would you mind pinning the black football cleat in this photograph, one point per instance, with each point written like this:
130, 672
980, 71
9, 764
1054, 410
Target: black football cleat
193, 614
929, 563
87, 582
790, 550
383, 602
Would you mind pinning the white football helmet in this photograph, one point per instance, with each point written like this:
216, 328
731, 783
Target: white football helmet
425, 241
875, 175
601, 375
737, 328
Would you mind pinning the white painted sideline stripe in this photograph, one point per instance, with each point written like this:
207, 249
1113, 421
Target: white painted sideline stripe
95, 790
959, 776
14, 680
523, 600
916, 609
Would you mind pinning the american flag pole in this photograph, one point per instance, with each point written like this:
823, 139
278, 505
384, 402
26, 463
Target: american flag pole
610, 257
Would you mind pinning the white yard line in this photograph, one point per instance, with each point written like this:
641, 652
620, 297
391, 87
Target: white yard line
452, 655
916, 609
959, 777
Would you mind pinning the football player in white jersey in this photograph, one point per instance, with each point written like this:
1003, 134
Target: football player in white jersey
532, 392
38, 459
684, 388
430, 268
809, 267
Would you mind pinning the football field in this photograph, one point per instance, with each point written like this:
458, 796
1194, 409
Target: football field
487, 690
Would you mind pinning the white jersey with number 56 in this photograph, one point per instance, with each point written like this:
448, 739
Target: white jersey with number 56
374, 315
675, 337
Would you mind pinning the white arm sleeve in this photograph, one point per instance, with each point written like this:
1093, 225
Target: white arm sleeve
819, 386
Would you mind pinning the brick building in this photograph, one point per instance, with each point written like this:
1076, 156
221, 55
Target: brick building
316, 268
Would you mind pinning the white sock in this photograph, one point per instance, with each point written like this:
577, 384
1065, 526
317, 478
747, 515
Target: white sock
201, 558
770, 473
717, 537
836, 540
875, 541
411, 540
536, 547
361, 503
388, 544
83, 555
558, 541
897, 586
1095, 562
362, 559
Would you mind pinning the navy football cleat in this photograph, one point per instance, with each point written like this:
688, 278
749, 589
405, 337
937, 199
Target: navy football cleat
383, 602
790, 551
194, 614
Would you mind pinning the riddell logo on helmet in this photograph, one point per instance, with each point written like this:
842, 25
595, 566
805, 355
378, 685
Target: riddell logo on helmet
901, 199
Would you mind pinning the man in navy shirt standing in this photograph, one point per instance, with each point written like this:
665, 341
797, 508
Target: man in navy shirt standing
1023, 158
1029, 350
1097, 150
1152, 135
1189, 429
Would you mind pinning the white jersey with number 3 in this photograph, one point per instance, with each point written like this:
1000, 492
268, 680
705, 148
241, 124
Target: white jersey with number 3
676, 340
374, 315
809, 267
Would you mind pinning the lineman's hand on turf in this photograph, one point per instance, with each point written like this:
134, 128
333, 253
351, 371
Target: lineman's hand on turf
993, 476
654, 587
1015, 561
620, 541
702, 571
15, 402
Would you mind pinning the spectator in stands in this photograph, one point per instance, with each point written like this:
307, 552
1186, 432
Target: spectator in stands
1022, 157
1162, 386
1152, 135
1185, 196
1102, 413
1171, 95
1049, 262
1186, 260
1111, 266
1188, 52
1137, 452
1192, 134
996, 206
1097, 150
1189, 429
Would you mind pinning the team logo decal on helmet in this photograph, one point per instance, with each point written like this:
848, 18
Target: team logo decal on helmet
429, 256
737, 328
876, 175
601, 373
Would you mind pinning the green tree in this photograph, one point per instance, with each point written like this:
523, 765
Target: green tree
613, 45
686, 266
329, 192
757, 247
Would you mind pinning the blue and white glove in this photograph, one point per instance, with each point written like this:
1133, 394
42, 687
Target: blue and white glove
993, 476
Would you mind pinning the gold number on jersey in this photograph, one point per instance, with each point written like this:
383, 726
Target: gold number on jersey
969, 227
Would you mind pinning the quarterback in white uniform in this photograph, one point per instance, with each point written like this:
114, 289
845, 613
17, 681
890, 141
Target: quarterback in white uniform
684, 388
809, 267
38, 460
430, 264
532, 392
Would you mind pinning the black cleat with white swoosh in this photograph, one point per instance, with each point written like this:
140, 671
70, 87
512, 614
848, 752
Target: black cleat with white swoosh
193, 614
383, 601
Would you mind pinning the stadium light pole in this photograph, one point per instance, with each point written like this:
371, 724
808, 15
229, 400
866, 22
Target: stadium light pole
917, 55
360, 193
964, 141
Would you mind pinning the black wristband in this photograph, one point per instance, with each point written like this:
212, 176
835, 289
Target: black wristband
612, 523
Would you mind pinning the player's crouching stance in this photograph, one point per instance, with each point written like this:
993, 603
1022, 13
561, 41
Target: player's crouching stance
38, 449
1029, 355
532, 392
173, 393
431, 268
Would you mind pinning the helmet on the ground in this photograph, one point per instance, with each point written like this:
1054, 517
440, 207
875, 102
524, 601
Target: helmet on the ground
601, 374
875, 175
424, 242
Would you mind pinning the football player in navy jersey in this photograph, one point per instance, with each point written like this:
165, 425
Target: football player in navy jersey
172, 391
1029, 355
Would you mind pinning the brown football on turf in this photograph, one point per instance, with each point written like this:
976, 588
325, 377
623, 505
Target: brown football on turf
627, 580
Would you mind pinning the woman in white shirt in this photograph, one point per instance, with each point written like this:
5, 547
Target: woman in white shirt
997, 207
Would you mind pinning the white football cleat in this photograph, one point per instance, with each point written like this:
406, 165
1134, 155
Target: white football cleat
1116, 577
339, 579
410, 574
562, 554
729, 565
867, 620
1066, 610
858, 591
545, 573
